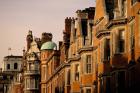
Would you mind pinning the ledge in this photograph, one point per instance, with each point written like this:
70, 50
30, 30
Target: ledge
85, 48
31, 72
101, 33
116, 22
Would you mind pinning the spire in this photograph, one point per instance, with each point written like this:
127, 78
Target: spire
29, 32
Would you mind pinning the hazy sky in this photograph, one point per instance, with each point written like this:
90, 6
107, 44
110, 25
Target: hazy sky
18, 16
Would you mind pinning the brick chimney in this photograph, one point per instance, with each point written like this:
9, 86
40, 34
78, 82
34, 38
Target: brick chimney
67, 31
46, 37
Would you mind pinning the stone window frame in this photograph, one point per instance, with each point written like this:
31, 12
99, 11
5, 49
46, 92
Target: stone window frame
122, 38
85, 64
77, 72
115, 39
102, 48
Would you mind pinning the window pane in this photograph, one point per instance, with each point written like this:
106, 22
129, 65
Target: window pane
121, 40
77, 72
88, 64
106, 49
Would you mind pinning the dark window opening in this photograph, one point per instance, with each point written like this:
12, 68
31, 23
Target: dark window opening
108, 88
15, 65
84, 29
68, 78
8, 66
107, 49
110, 8
121, 82
121, 46
132, 80
4, 77
57, 90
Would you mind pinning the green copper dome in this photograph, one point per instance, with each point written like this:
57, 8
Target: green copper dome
48, 46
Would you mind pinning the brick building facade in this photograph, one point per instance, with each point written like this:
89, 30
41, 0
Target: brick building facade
116, 27
99, 52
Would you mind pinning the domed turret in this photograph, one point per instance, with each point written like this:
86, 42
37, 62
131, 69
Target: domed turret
49, 46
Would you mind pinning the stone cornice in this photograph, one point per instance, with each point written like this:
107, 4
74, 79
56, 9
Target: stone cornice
74, 58
85, 48
98, 21
130, 18
116, 22
104, 32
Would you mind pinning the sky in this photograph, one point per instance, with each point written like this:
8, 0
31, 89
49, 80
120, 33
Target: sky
17, 17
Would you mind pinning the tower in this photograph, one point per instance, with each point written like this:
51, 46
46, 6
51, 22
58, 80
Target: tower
29, 39
46, 37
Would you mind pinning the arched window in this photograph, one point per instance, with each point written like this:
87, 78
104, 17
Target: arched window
8, 66
15, 65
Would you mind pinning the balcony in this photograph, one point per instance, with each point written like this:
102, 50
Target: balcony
32, 72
